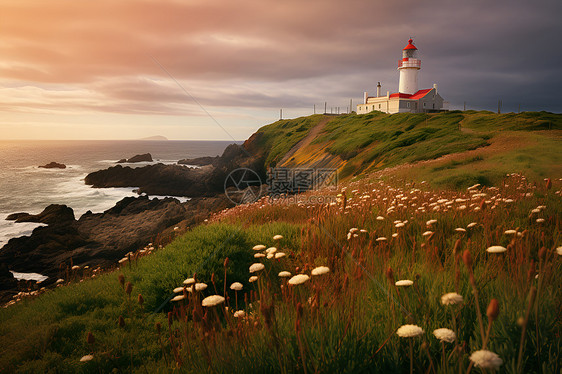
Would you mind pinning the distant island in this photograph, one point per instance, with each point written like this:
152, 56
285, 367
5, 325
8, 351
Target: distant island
155, 137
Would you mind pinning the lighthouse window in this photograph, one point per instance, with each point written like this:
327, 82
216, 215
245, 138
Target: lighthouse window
424, 105
379, 106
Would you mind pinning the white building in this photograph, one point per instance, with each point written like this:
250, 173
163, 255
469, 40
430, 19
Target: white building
408, 98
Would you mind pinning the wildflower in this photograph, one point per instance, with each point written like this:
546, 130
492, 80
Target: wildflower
380, 218
460, 229
404, 283
178, 298
395, 235
427, 233
409, 331
200, 286
445, 335
278, 237
496, 249
510, 232
212, 300
271, 250
381, 239
298, 279
320, 270
399, 225
540, 220
252, 279
239, 314
471, 225
270, 256
258, 266
486, 360
236, 286
559, 251
493, 310
258, 247
60, 280
280, 254
86, 358
451, 298
259, 255
284, 274
431, 222
189, 281
178, 289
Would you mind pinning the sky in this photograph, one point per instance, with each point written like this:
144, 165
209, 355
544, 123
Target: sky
219, 70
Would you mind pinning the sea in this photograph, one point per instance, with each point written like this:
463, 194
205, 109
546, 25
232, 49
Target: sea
24, 187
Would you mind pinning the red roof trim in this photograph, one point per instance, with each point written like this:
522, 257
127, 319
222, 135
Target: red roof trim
418, 95
410, 45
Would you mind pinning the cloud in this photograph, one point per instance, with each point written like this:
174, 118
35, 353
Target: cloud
99, 56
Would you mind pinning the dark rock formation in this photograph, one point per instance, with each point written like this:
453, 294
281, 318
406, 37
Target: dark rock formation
147, 157
103, 238
7, 280
199, 161
178, 180
53, 165
52, 214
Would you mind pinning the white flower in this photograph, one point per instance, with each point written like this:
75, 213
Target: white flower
496, 249
86, 358
540, 220
451, 298
404, 283
280, 254
189, 281
239, 314
460, 229
381, 239
380, 218
486, 360
559, 251
252, 279
399, 225
445, 335
212, 300
284, 274
258, 247
200, 286
431, 222
178, 289
471, 225
258, 266
320, 270
427, 233
178, 298
259, 255
271, 250
278, 237
298, 279
237, 286
409, 331
510, 232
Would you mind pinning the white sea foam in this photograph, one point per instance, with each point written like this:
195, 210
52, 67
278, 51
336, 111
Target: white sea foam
10, 229
29, 276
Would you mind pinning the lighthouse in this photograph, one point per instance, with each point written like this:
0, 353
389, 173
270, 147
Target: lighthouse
408, 99
409, 67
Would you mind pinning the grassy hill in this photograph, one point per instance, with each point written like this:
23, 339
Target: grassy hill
345, 320
358, 144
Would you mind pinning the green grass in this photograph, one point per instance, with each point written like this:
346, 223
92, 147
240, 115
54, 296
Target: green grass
348, 319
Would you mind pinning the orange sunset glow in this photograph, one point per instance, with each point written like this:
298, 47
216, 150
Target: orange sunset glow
130, 69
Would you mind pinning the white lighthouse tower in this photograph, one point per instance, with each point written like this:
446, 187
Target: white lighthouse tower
409, 66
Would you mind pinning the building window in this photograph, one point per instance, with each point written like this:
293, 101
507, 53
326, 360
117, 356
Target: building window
408, 104
379, 106
424, 105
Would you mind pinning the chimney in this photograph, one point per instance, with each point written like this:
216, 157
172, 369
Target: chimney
435, 86
365, 97
378, 89
387, 94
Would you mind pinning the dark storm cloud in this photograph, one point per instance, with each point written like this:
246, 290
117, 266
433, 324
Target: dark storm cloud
271, 54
